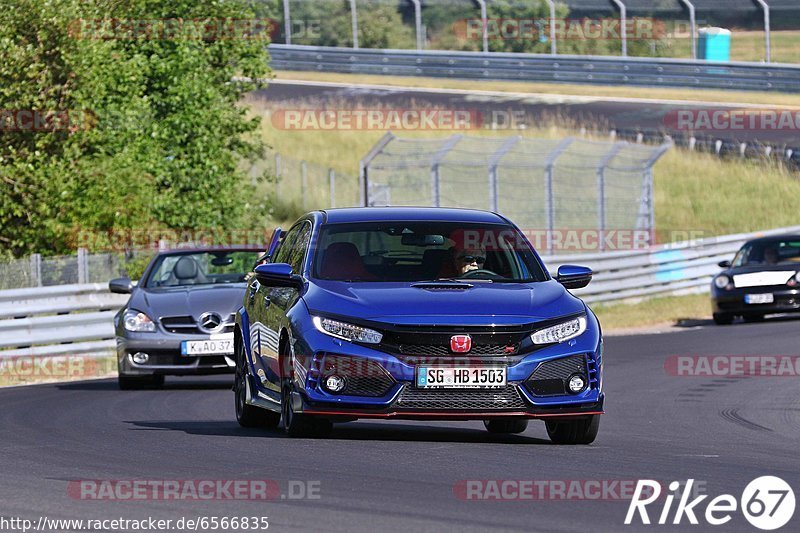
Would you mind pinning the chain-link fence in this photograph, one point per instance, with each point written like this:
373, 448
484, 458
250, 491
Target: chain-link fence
308, 185
544, 185
663, 28
38, 271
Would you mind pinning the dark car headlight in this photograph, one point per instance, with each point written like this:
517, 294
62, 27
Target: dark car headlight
137, 321
345, 331
722, 282
560, 332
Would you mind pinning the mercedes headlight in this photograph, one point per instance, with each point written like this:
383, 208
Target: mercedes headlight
138, 321
722, 281
345, 331
560, 332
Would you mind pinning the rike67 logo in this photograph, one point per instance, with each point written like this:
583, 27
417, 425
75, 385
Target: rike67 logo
767, 503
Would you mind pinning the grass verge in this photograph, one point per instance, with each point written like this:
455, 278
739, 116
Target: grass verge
667, 310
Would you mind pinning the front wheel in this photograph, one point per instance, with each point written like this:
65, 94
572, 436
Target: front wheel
721, 319
580, 431
249, 416
516, 425
298, 424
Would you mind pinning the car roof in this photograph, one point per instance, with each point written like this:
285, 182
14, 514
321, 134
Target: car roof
774, 238
411, 214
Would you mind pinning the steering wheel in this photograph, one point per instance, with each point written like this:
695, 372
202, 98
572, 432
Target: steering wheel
481, 271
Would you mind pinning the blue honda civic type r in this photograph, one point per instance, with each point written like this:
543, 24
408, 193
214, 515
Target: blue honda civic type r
415, 313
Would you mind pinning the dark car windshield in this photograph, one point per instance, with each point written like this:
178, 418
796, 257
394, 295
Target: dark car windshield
201, 268
777, 252
421, 251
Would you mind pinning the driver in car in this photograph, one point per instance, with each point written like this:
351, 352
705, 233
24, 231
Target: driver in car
468, 260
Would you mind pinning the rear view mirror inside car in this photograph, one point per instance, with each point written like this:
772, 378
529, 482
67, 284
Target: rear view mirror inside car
413, 239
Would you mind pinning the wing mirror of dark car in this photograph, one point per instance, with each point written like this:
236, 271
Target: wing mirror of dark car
724, 264
277, 275
573, 276
121, 285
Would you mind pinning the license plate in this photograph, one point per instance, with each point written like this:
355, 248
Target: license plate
759, 298
460, 377
215, 345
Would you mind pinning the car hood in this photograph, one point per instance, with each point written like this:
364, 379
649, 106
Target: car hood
401, 303
189, 301
762, 275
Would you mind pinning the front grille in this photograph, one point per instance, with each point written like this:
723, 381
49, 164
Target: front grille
441, 350
550, 377
507, 398
186, 325
363, 377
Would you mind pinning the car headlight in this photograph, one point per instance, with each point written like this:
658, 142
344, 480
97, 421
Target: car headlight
560, 332
345, 331
722, 281
138, 321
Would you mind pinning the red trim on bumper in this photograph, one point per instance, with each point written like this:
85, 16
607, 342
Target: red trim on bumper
479, 415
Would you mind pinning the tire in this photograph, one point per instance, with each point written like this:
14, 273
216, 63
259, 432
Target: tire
156, 381
753, 318
249, 416
514, 425
722, 319
581, 431
300, 425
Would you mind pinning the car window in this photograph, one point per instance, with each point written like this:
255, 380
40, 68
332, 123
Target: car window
285, 248
201, 268
768, 253
422, 251
298, 252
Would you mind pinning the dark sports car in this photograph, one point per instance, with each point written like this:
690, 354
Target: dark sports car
179, 318
764, 278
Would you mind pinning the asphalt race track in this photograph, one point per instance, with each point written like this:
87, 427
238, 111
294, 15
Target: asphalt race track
603, 113
400, 476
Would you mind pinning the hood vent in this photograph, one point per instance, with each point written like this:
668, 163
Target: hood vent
442, 286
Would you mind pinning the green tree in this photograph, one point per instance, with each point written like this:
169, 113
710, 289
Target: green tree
155, 136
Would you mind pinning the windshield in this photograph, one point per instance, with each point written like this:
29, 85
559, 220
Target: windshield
778, 252
424, 251
201, 268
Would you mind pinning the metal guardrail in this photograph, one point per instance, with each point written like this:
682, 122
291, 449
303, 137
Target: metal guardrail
541, 67
59, 320
676, 268
77, 319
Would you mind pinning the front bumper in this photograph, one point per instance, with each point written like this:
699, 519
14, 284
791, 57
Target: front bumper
733, 302
397, 409
165, 358
384, 386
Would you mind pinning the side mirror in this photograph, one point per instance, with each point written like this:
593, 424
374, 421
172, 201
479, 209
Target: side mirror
573, 276
277, 275
121, 285
724, 264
